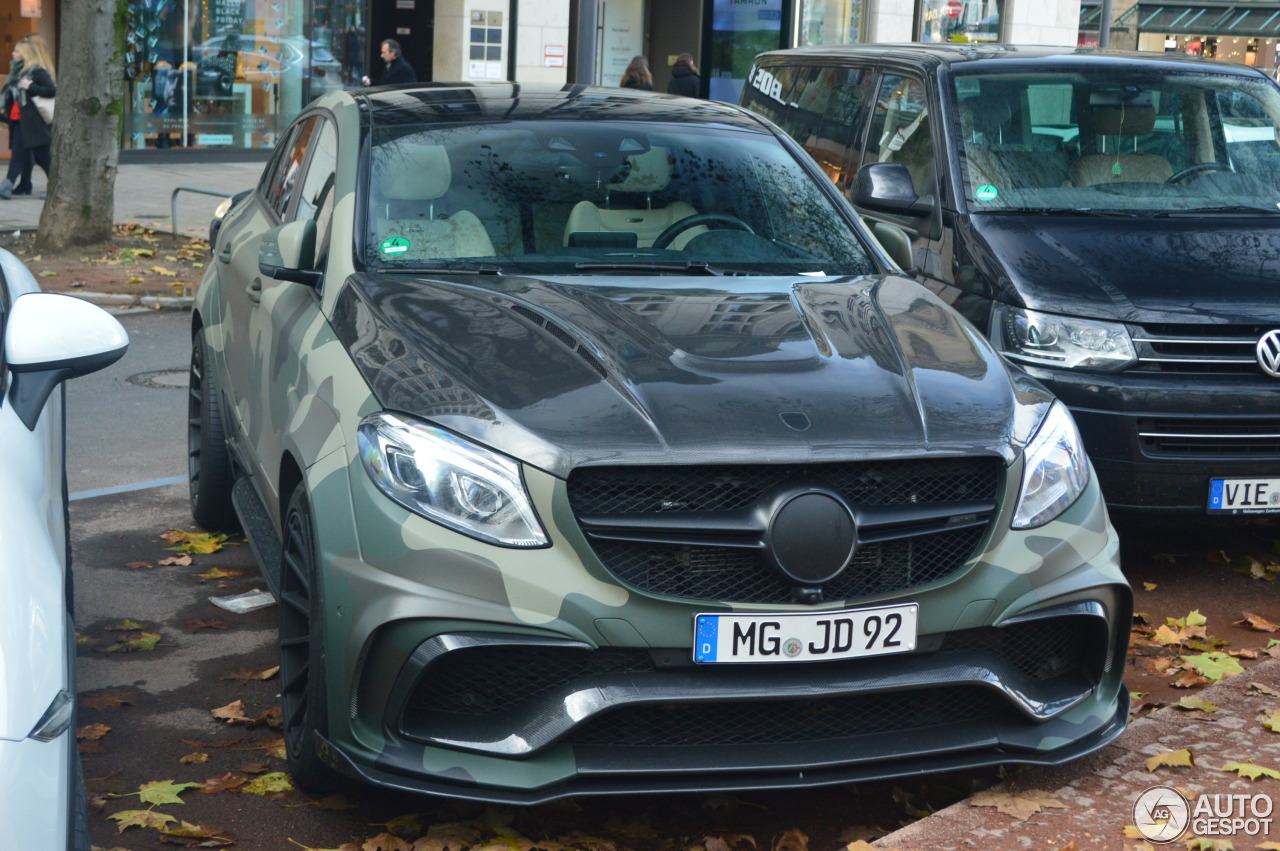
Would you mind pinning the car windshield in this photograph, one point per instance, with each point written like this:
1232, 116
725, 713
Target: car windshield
1118, 141
597, 197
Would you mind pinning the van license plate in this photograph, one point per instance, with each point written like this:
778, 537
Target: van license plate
805, 637
1244, 496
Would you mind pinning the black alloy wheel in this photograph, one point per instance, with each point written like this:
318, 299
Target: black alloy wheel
302, 658
209, 470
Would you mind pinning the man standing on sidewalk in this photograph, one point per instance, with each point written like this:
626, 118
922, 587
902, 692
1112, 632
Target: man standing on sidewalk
398, 70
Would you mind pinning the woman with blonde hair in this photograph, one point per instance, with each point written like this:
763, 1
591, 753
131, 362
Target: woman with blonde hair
684, 77
31, 74
638, 75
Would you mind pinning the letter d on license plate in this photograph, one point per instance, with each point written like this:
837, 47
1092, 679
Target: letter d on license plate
805, 637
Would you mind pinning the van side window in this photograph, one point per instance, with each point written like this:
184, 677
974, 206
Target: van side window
900, 131
768, 91
824, 118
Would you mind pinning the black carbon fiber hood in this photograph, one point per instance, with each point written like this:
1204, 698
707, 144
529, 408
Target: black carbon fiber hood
562, 372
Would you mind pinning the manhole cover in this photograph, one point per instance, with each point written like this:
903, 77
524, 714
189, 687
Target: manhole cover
161, 379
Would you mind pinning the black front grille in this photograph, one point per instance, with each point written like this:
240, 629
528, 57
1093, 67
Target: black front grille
738, 574
1199, 349
771, 722
725, 573
1239, 437
622, 490
486, 680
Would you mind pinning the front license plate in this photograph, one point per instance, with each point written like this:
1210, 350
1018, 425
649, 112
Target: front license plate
1244, 496
805, 637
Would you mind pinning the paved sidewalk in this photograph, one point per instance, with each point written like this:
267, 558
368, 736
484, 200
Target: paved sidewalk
144, 191
1091, 801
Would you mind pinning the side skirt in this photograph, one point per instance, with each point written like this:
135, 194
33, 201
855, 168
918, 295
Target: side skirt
258, 528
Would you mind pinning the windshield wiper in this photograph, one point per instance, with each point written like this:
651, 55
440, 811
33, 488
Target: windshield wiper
1229, 209
693, 267
442, 270
1066, 211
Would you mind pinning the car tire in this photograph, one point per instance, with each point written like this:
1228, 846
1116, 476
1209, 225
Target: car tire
209, 471
302, 657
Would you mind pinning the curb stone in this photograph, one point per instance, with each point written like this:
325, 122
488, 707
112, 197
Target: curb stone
124, 301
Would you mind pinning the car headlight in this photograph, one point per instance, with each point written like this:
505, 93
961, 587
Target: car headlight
444, 478
1055, 470
1044, 339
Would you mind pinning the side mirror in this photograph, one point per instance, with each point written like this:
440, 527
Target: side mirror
288, 253
50, 338
887, 187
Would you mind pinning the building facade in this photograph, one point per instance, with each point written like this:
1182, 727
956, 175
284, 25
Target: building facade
230, 75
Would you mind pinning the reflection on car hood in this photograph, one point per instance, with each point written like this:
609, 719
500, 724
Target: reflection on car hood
568, 371
1190, 269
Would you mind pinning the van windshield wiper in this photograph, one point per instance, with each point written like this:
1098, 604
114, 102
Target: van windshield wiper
693, 267
1228, 209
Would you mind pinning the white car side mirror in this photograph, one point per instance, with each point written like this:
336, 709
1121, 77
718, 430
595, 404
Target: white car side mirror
49, 338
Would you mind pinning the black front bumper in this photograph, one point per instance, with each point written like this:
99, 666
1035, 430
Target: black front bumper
1156, 441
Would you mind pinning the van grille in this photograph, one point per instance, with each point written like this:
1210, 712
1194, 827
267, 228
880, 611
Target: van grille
1238, 437
1198, 349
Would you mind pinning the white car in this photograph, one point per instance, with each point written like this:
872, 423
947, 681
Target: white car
46, 339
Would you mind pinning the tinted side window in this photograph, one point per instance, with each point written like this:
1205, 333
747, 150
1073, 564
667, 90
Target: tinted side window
316, 199
900, 131
288, 167
768, 91
824, 116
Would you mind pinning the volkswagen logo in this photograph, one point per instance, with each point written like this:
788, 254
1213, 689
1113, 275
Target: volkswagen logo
1269, 353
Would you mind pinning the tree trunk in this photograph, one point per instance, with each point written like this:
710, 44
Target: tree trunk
86, 130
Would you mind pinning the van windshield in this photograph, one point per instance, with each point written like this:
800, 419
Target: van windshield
600, 197
1116, 139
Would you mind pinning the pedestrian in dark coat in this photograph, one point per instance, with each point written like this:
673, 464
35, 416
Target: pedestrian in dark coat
684, 77
30, 137
637, 75
398, 69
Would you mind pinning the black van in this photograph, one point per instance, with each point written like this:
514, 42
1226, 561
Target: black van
1111, 220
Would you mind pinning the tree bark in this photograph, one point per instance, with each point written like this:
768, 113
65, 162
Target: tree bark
86, 130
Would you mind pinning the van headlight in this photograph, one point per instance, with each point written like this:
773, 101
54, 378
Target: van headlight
1045, 339
456, 483
1055, 470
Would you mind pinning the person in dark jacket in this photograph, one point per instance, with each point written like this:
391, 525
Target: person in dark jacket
638, 75
684, 77
398, 69
31, 75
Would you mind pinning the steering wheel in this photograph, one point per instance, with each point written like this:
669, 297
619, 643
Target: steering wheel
1196, 169
676, 228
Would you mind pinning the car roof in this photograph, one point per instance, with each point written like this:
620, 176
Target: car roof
1002, 56
483, 102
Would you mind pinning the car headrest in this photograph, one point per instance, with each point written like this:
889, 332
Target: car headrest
1123, 120
650, 172
416, 173
984, 116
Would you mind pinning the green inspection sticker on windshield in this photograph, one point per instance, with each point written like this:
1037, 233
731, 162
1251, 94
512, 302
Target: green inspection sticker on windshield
986, 192
394, 245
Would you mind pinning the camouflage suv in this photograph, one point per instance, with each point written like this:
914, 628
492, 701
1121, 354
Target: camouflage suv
592, 444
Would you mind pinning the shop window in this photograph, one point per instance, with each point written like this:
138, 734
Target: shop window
960, 21
830, 22
485, 46
226, 73
739, 33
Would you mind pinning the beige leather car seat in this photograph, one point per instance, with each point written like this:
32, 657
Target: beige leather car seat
1118, 165
408, 187
649, 173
